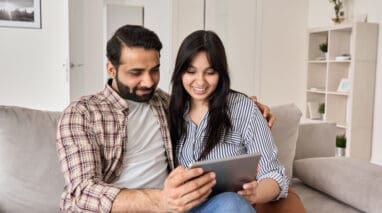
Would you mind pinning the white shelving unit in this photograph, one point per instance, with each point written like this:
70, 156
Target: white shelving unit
351, 110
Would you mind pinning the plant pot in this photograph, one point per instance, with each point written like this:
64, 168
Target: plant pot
340, 152
324, 55
323, 116
338, 20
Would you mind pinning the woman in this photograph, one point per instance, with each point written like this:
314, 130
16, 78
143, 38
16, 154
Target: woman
208, 120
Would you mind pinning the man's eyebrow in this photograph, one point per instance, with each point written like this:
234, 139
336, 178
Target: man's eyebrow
156, 67
136, 69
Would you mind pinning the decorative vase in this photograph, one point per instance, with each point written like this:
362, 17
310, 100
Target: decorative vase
340, 152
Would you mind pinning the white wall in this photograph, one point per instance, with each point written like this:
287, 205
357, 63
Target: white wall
32, 60
158, 17
93, 46
236, 26
374, 8
94, 39
260, 36
32, 71
118, 15
182, 22
283, 73
320, 13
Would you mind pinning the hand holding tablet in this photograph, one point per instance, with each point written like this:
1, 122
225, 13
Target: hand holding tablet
231, 173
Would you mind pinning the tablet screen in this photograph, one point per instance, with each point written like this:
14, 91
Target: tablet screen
231, 173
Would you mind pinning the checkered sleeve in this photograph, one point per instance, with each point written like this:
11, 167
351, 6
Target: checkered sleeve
80, 158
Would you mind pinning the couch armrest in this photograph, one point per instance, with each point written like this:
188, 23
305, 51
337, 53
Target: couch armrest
355, 182
316, 140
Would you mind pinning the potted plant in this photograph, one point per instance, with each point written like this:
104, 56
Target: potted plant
340, 145
338, 5
321, 110
324, 49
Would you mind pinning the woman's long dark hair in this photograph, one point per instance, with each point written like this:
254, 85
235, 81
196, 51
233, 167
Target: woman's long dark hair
218, 119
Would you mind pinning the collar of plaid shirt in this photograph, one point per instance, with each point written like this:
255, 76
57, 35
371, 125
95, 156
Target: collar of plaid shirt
90, 143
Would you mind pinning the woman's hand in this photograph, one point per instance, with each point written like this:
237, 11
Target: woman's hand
249, 191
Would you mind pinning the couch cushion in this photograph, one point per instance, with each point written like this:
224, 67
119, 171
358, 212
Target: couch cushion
355, 182
30, 174
316, 201
285, 133
316, 139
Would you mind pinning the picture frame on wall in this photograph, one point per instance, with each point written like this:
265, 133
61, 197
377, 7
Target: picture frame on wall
344, 85
20, 13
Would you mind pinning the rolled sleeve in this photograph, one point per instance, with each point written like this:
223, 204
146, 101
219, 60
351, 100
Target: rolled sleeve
281, 180
80, 158
259, 140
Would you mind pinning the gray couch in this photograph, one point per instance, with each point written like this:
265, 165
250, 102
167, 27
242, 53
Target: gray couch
31, 179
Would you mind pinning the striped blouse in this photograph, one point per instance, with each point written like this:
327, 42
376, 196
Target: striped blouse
249, 134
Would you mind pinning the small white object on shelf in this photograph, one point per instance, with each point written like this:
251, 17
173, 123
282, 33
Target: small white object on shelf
343, 57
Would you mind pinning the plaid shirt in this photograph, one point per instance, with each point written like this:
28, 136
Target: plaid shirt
91, 139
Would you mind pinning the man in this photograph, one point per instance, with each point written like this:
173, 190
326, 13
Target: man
114, 147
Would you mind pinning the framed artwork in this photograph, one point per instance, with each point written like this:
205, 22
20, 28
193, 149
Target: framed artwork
20, 13
344, 85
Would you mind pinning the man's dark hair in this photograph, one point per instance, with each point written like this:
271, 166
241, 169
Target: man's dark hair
130, 36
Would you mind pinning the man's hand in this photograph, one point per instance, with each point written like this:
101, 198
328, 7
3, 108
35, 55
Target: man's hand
186, 188
266, 112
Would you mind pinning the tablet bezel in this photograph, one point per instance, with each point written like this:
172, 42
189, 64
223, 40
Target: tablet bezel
231, 173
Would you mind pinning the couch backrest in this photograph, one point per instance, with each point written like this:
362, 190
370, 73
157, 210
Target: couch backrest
30, 174
285, 133
316, 139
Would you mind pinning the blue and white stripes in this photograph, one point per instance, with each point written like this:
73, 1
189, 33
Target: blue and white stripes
249, 134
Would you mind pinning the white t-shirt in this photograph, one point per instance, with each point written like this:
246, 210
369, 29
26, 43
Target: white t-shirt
144, 162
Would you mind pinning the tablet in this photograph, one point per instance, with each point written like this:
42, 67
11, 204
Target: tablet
231, 173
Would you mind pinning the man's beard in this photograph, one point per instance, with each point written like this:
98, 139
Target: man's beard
124, 92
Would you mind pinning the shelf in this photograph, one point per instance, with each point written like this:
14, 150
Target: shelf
338, 93
329, 93
336, 61
317, 61
338, 124
308, 121
316, 91
352, 111
345, 26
